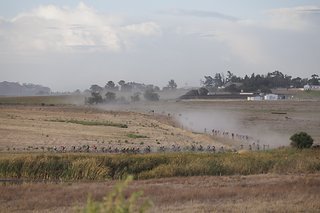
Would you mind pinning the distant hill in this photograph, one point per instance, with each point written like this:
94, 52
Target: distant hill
17, 89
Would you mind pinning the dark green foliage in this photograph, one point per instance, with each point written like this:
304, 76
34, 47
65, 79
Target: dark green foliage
93, 123
110, 97
232, 88
172, 84
208, 82
257, 83
193, 92
131, 135
111, 86
301, 140
314, 80
150, 95
203, 91
96, 88
95, 98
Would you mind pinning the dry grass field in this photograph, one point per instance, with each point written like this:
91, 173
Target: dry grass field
37, 127
255, 193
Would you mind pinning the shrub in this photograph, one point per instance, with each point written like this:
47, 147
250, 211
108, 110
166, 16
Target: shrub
131, 135
95, 98
301, 140
116, 201
203, 91
150, 95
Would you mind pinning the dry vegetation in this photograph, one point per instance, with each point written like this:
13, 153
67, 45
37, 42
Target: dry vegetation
255, 193
35, 128
280, 180
72, 167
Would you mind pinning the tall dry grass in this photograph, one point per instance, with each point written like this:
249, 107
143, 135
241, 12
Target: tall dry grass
117, 201
70, 167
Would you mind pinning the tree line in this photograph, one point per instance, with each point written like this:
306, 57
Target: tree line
228, 82
256, 83
149, 92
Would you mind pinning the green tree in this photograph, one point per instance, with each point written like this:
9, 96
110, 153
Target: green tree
121, 82
297, 82
229, 76
110, 97
314, 80
111, 86
150, 95
218, 80
172, 84
203, 91
208, 82
135, 97
301, 140
95, 98
96, 88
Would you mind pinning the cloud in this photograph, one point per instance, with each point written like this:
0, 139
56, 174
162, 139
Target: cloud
52, 28
294, 18
146, 29
184, 45
199, 13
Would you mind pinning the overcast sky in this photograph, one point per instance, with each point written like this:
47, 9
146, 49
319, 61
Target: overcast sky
68, 45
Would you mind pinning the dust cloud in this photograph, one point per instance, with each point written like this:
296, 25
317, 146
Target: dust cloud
203, 119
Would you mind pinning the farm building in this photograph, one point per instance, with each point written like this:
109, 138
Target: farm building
311, 87
255, 98
271, 97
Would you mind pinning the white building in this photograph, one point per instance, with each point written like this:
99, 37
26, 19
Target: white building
311, 87
271, 97
255, 98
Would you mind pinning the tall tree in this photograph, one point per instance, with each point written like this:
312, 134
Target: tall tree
110, 85
208, 82
172, 84
229, 76
96, 88
218, 80
110, 97
314, 80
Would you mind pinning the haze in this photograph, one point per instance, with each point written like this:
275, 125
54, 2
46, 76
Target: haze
70, 45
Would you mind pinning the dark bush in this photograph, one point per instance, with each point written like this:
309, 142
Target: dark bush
95, 98
301, 140
150, 95
110, 97
203, 91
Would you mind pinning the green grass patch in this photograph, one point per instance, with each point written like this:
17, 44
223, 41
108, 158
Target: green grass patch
311, 94
43, 100
91, 123
71, 167
131, 135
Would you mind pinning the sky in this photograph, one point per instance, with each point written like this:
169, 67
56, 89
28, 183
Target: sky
69, 45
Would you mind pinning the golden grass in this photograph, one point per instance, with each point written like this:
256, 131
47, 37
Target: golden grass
254, 193
68, 167
117, 201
